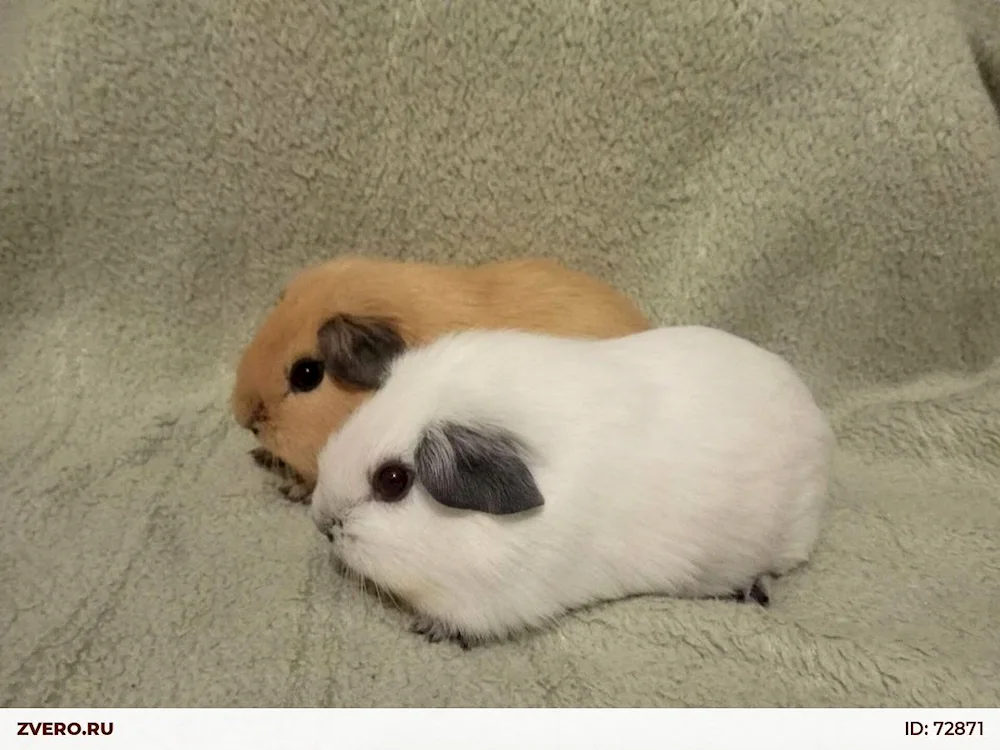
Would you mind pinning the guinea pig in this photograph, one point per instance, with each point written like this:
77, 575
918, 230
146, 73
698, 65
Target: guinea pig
336, 326
499, 479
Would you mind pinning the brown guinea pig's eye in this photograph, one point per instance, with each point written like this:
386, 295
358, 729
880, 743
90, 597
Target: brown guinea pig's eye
305, 375
392, 481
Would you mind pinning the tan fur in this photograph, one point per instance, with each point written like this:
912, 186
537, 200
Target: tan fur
426, 301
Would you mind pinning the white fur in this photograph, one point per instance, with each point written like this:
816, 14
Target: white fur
684, 461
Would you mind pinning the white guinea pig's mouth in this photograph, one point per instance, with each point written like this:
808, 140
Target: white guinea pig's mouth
355, 567
348, 546
341, 538
349, 550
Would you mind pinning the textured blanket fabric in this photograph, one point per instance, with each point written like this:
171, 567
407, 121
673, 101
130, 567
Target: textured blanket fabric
822, 176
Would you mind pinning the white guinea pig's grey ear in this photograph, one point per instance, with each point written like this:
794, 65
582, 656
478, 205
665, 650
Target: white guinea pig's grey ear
357, 351
480, 468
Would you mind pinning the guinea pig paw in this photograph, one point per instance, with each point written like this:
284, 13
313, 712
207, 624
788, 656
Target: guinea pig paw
296, 492
267, 460
755, 592
435, 632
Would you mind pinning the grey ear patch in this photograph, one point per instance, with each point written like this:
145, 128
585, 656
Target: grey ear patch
479, 468
357, 350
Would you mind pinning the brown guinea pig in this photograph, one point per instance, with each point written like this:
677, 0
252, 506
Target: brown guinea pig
328, 343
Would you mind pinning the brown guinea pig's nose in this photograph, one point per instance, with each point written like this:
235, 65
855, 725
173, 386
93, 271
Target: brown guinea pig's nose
256, 416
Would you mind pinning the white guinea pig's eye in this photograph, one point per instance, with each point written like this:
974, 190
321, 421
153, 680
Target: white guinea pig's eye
391, 481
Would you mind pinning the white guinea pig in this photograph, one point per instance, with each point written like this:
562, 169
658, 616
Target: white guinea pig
498, 479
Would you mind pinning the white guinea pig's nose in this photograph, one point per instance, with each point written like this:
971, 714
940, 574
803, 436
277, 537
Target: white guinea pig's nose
327, 524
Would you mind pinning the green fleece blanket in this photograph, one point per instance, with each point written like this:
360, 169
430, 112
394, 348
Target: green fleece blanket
821, 176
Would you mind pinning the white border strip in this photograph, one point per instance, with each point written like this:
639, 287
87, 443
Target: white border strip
501, 729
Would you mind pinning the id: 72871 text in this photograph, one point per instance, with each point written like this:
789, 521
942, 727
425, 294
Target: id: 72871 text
944, 728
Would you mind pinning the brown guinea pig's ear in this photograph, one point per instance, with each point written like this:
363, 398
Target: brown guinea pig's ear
358, 350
